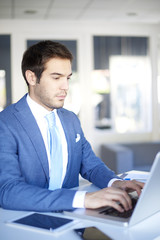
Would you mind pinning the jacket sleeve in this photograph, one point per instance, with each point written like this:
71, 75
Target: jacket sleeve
92, 168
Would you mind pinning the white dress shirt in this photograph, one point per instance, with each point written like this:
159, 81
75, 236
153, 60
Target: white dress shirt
39, 113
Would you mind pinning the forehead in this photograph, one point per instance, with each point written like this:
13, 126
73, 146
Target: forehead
58, 64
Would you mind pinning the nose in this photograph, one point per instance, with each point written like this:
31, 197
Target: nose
65, 84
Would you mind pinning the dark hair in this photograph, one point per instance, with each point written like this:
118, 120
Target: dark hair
36, 56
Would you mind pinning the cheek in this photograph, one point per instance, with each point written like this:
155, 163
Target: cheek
46, 88
48, 92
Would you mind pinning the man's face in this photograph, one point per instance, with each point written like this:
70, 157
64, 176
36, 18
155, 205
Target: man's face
54, 84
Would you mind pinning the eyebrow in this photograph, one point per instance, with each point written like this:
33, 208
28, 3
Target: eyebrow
60, 74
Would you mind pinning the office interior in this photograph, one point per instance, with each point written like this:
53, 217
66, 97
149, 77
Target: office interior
115, 89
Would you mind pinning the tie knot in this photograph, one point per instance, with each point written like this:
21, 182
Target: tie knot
51, 119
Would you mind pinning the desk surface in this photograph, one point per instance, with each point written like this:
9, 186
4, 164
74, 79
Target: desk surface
148, 229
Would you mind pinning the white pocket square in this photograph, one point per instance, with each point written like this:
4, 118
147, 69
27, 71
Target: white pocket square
78, 137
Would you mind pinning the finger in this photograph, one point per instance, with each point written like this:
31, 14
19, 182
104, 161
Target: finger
125, 201
120, 196
141, 184
135, 185
132, 185
115, 205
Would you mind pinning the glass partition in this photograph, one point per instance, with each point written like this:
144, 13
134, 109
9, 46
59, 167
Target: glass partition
2, 89
5, 71
121, 82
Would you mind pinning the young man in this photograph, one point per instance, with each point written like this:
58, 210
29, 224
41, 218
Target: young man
25, 161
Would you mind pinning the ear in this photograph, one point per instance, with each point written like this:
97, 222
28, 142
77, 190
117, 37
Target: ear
31, 77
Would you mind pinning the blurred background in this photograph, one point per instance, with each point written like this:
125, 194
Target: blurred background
115, 88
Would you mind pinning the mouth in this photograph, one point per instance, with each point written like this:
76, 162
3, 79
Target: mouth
61, 97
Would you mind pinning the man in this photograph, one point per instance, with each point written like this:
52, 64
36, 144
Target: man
25, 160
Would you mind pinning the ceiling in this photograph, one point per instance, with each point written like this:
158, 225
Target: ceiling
136, 11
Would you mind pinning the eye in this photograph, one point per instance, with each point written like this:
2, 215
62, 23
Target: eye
56, 77
69, 77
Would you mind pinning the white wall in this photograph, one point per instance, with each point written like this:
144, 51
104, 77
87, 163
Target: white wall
23, 30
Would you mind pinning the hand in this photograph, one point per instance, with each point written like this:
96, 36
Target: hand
129, 186
112, 195
108, 197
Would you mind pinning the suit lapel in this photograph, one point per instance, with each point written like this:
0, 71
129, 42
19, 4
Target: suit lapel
28, 122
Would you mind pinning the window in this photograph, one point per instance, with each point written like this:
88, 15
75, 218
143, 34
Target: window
2, 89
5, 71
121, 82
73, 100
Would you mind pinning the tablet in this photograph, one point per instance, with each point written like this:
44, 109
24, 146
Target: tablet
43, 222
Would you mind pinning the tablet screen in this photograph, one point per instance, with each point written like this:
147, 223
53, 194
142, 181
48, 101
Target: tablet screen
43, 221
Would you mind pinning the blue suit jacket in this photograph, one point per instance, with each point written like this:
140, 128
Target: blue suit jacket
24, 172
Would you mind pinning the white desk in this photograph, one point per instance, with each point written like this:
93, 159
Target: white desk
148, 229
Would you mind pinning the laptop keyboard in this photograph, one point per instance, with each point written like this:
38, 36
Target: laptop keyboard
115, 213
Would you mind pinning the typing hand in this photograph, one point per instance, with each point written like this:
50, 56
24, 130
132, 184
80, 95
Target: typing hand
129, 186
110, 196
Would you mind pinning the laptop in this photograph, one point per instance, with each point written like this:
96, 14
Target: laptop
147, 204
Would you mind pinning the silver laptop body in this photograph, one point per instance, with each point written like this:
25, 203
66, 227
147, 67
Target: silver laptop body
147, 205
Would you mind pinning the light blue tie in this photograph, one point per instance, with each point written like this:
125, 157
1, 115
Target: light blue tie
55, 149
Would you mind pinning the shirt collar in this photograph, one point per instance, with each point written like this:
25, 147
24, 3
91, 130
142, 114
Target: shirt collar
37, 110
